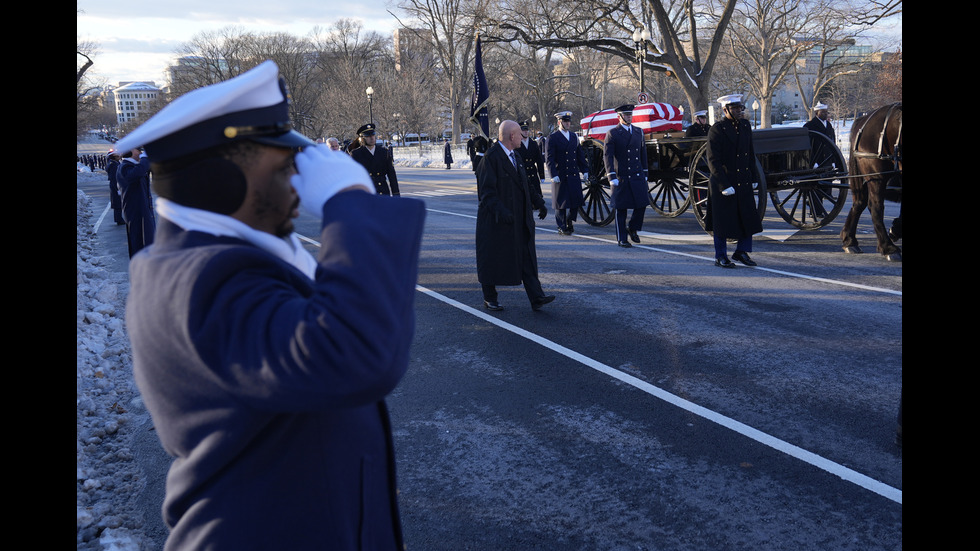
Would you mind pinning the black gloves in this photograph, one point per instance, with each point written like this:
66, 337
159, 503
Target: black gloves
542, 212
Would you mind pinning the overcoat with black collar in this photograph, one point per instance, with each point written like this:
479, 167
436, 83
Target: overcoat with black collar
823, 127
566, 160
626, 160
504, 221
380, 166
732, 162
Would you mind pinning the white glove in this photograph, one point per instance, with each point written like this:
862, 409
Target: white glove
585, 175
322, 172
728, 191
556, 180
755, 185
614, 181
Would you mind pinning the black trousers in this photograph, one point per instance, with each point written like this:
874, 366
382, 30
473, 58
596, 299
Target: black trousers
529, 277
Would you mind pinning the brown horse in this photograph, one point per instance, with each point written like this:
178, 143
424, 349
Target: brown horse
875, 173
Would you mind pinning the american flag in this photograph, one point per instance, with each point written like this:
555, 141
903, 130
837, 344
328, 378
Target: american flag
650, 117
479, 114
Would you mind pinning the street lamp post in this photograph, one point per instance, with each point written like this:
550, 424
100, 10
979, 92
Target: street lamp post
640, 36
755, 107
370, 95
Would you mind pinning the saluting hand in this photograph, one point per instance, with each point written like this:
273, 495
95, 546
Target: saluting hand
322, 172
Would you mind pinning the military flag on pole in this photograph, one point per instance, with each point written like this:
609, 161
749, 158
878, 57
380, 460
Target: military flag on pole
479, 113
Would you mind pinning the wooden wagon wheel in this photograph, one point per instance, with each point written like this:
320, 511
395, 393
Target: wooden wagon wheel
595, 209
698, 190
814, 201
668, 194
668, 189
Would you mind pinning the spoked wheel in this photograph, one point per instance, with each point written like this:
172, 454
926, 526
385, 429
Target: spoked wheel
698, 191
669, 195
595, 209
815, 200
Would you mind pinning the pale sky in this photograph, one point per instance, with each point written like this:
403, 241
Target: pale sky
136, 40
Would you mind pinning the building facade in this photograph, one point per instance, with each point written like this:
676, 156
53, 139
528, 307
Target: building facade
134, 98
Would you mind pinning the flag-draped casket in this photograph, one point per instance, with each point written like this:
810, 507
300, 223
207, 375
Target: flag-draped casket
651, 117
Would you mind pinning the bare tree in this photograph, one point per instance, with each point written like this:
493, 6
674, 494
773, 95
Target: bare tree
450, 26
88, 101
208, 58
876, 10
348, 61
767, 38
830, 54
676, 45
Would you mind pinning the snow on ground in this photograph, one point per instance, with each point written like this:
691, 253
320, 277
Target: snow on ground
109, 408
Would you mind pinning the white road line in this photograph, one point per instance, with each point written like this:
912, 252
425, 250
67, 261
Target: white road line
711, 259
811, 458
822, 463
95, 227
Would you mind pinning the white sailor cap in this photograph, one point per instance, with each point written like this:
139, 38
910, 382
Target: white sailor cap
819, 106
700, 114
564, 115
730, 98
252, 106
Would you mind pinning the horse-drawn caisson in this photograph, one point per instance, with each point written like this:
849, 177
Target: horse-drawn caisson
802, 171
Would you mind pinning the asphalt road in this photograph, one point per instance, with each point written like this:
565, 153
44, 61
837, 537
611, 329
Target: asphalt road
660, 403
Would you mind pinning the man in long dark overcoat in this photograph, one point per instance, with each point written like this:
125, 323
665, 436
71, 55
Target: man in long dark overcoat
732, 212
377, 160
566, 161
626, 167
505, 253
533, 159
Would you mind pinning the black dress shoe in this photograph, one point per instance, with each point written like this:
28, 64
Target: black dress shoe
625, 244
633, 235
743, 257
537, 304
724, 262
571, 227
492, 305
563, 231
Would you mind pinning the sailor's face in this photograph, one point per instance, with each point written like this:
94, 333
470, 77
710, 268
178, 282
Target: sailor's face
272, 202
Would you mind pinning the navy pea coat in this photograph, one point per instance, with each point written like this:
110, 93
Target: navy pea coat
268, 387
626, 160
504, 219
533, 164
133, 180
567, 161
732, 163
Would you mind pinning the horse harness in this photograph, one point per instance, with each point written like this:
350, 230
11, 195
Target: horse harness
896, 149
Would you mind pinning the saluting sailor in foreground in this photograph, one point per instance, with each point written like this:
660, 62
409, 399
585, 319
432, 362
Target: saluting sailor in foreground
265, 370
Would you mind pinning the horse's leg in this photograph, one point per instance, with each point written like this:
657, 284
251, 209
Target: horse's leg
859, 200
876, 207
896, 232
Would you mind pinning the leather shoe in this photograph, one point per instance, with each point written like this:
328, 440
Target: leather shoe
571, 227
492, 305
743, 257
633, 235
625, 244
563, 231
537, 304
724, 262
